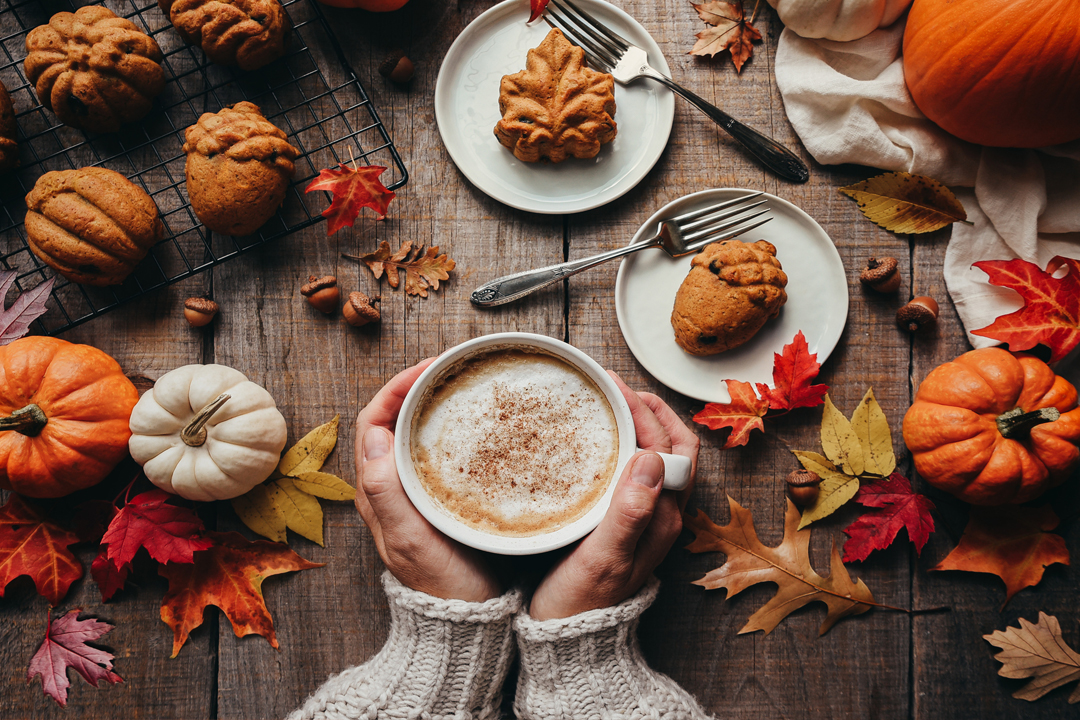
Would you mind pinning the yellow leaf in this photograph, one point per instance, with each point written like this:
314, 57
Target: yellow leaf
869, 423
839, 441
311, 452
324, 485
258, 511
303, 514
904, 203
836, 488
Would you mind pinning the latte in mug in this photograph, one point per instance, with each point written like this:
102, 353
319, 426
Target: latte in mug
514, 441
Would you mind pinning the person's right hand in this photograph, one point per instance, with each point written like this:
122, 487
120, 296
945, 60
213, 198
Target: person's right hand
417, 554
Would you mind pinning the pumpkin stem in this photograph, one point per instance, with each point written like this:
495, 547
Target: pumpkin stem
29, 421
1017, 424
195, 434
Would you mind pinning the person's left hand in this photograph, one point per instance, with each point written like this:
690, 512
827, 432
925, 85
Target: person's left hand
615, 560
417, 554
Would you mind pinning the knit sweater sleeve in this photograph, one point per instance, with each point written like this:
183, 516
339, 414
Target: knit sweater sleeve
444, 660
590, 666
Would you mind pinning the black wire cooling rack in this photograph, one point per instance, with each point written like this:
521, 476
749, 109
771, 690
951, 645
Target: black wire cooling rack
329, 123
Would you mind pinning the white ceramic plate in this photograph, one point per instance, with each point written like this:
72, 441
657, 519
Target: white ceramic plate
467, 109
817, 301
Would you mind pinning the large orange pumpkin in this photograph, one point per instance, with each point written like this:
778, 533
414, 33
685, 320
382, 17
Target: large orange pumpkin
997, 72
64, 412
994, 428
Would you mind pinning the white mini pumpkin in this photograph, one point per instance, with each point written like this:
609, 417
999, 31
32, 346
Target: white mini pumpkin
838, 19
206, 432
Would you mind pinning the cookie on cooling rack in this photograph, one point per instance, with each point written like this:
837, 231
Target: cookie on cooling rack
246, 33
9, 131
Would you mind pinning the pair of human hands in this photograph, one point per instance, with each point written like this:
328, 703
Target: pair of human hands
605, 568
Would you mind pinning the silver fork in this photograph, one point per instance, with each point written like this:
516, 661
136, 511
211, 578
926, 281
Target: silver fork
612, 53
677, 236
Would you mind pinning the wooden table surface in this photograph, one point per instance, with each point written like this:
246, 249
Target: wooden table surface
881, 665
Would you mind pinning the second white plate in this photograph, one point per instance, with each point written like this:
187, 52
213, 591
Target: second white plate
817, 301
467, 109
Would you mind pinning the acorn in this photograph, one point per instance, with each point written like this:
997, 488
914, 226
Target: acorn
360, 310
881, 275
919, 314
199, 311
322, 293
803, 487
397, 67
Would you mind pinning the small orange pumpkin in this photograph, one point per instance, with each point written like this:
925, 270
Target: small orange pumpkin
64, 412
994, 428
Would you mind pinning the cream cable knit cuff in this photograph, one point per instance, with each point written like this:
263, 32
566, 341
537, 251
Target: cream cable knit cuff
590, 666
444, 660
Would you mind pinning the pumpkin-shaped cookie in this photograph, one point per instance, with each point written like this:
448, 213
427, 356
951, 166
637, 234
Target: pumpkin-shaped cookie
247, 33
95, 70
91, 225
732, 289
238, 169
9, 131
206, 432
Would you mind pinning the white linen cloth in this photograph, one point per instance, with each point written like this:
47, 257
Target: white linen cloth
848, 103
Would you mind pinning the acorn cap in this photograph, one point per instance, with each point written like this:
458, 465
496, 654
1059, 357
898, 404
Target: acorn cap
315, 284
881, 275
803, 478
919, 314
360, 310
201, 305
397, 67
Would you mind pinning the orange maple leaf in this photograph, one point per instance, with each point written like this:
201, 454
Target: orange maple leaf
1051, 312
230, 576
728, 30
352, 189
32, 545
743, 414
1010, 542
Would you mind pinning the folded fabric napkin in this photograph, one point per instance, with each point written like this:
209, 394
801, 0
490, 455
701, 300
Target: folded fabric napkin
849, 104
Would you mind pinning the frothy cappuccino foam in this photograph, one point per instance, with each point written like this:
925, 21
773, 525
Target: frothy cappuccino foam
515, 442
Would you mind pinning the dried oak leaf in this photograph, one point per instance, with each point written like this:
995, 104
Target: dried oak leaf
897, 507
905, 203
1039, 652
65, 647
1011, 542
743, 414
749, 562
168, 532
229, 575
423, 270
1051, 312
352, 190
793, 370
28, 307
728, 30
32, 545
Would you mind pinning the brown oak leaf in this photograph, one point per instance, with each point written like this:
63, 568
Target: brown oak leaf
1011, 542
1039, 652
423, 270
728, 29
749, 562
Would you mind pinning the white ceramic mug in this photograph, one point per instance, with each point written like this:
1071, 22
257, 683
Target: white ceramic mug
676, 467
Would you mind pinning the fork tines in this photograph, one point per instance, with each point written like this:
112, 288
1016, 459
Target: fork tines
603, 47
721, 221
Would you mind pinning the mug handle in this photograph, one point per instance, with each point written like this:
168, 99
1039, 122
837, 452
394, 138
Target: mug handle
676, 471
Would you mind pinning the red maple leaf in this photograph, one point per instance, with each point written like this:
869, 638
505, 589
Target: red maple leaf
537, 7
110, 579
352, 190
792, 373
65, 647
228, 575
1051, 312
1011, 542
32, 545
897, 506
742, 414
168, 532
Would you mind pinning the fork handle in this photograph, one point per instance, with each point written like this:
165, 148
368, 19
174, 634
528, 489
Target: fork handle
770, 153
511, 287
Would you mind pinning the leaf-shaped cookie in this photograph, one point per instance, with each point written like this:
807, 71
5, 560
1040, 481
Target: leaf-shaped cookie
556, 107
904, 203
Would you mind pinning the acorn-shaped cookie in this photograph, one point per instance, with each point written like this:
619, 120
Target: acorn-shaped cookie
91, 225
238, 169
732, 289
9, 131
247, 33
95, 70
